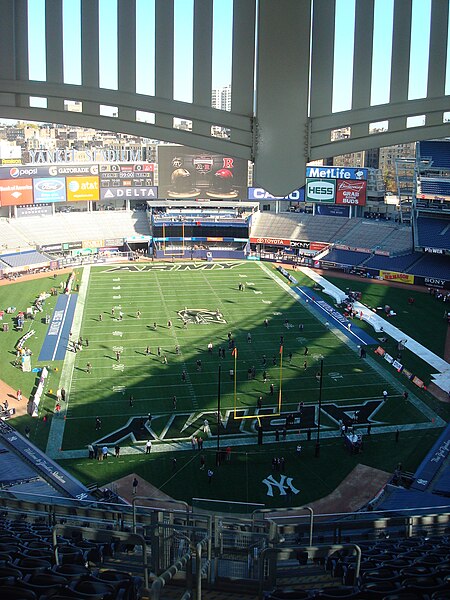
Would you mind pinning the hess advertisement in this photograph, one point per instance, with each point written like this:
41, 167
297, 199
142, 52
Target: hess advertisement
188, 173
351, 192
320, 190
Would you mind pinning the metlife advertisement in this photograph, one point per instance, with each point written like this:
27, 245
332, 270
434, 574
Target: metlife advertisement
330, 172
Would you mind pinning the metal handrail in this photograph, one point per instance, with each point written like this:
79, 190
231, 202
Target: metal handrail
160, 582
299, 508
169, 501
318, 551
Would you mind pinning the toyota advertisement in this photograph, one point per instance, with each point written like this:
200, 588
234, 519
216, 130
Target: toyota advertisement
185, 172
351, 192
320, 190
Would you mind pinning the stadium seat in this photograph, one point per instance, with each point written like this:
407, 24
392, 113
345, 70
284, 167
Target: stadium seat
289, 595
71, 571
32, 565
43, 583
91, 589
378, 589
338, 592
12, 592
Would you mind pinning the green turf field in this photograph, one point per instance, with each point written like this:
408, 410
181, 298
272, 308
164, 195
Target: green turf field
211, 303
152, 384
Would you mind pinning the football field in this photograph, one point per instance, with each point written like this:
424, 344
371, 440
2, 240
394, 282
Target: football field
146, 331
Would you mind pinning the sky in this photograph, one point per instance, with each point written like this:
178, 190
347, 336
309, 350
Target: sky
222, 45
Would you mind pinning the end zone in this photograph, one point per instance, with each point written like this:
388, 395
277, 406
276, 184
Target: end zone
57, 337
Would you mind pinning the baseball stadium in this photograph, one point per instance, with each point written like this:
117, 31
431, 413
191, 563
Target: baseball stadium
212, 390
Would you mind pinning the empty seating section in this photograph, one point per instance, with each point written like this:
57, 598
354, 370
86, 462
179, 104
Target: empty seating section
11, 238
432, 265
435, 187
32, 567
433, 232
356, 233
438, 151
346, 257
72, 227
396, 263
30, 257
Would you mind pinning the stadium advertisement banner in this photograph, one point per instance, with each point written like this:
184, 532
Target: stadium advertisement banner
434, 282
23, 172
56, 170
185, 172
318, 246
301, 244
13, 193
82, 188
320, 190
33, 210
135, 193
256, 193
93, 243
270, 241
332, 211
72, 245
351, 192
49, 189
330, 172
113, 242
50, 248
399, 277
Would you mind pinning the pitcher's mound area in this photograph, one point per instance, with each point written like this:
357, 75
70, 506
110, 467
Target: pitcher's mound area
361, 485
124, 488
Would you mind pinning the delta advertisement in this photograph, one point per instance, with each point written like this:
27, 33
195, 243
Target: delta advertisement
185, 172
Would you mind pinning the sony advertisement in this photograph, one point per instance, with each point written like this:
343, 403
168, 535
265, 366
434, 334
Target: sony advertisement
185, 172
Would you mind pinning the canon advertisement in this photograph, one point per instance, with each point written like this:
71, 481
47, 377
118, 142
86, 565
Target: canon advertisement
351, 192
184, 172
255, 193
320, 190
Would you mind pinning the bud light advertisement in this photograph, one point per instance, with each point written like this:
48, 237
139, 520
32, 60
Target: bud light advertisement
188, 173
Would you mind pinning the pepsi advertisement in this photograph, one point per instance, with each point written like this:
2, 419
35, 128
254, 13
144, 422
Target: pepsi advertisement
189, 173
49, 189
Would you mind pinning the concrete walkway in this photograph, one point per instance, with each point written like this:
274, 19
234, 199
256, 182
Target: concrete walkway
380, 325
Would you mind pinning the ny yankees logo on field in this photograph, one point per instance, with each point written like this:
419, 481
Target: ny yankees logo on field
201, 316
271, 482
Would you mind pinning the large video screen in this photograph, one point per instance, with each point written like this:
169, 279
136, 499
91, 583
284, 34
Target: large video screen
185, 172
